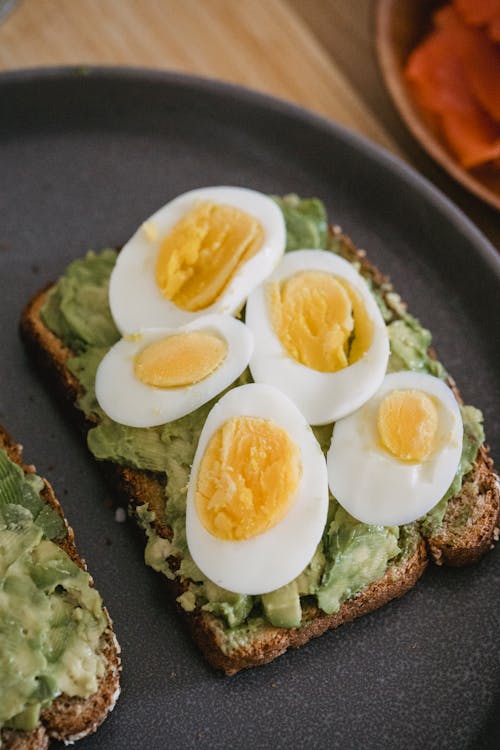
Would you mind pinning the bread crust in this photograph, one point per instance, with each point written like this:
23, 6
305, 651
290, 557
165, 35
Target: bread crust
68, 718
135, 487
465, 544
270, 642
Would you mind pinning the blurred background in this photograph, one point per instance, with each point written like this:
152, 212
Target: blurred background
319, 54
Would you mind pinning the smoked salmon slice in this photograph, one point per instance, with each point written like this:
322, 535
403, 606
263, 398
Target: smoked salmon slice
478, 12
479, 56
494, 29
454, 74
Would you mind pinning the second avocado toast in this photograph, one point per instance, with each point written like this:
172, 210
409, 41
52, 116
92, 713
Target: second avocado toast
59, 658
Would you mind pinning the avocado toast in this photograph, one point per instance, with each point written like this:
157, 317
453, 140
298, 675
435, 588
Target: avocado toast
149, 469
60, 658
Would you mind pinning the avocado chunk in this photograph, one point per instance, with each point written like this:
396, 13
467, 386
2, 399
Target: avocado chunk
282, 607
357, 554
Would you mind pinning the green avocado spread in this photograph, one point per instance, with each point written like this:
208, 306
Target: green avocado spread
51, 620
351, 554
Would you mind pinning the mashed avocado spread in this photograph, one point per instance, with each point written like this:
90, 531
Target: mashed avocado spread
351, 554
51, 620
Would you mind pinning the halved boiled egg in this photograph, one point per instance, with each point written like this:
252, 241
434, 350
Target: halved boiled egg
258, 494
319, 335
391, 461
161, 374
203, 252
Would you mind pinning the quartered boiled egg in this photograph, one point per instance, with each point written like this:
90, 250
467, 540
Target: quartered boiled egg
319, 335
161, 374
203, 252
391, 461
258, 494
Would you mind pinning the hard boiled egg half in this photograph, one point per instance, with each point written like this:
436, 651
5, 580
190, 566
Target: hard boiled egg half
203, 252
161, 374
391, 461
258, 493
319, 335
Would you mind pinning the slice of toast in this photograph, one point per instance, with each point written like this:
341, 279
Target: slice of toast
480, 493
68, 718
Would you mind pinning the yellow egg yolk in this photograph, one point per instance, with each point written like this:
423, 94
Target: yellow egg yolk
247, 479
200, 256
180, 360
320, 320
407, 423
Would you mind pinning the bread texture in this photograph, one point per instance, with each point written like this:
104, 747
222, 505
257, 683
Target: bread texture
480, 493
68, 718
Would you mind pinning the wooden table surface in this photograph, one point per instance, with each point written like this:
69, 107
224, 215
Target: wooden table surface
316, 53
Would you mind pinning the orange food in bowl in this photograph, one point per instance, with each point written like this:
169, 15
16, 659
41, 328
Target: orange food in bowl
455, 76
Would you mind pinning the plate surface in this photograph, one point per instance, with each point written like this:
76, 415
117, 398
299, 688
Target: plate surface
85, 156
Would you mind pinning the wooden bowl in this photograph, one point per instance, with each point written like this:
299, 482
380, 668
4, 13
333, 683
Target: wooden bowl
399, 26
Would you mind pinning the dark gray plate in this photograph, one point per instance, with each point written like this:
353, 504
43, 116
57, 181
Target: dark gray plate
85, 155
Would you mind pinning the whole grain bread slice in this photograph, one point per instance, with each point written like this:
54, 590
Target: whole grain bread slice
450, 545
68, 718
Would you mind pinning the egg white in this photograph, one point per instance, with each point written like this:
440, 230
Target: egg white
131, 402
275, 557
375, 486
134, 297
323, 397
